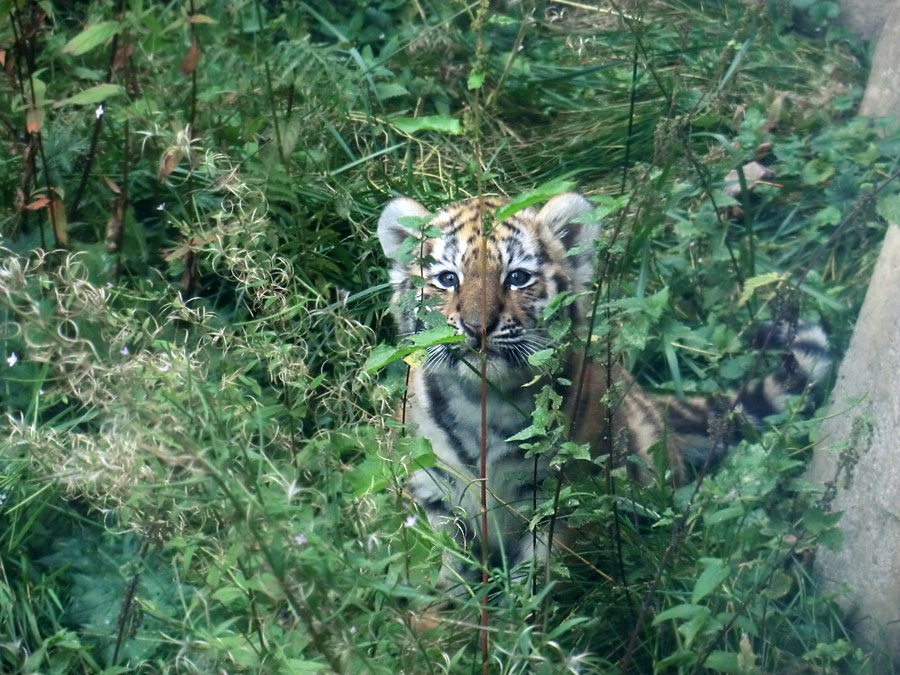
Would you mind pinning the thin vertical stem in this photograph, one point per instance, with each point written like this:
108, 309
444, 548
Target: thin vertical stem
482, 260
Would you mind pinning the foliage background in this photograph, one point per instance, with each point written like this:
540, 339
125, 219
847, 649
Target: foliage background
198, 474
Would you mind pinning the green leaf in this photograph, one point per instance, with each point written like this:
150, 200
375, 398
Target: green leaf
382, 355
386, 90
540, 357
531, 431
298, 666
759, 281
816, 171
540, 194
94, 94
728, 513
475, 81
91, 37
442, 123
723, 662
715, 573
888, 207
679, 612
830, 215
570, 450
436, 336
376, 471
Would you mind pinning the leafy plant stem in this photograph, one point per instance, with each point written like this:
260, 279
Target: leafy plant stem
98, 124
127, 602
18, 34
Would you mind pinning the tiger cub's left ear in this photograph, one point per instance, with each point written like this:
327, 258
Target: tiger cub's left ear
558, 216
391, 232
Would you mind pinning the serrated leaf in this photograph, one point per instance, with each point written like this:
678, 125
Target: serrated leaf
442, 123
888, 207
759, 281
386, 90
539, 194
436, 336
91, 37
94, 94
540, 357
715, 573
531, 431
382, 355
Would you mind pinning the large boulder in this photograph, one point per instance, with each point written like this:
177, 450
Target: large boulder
882, 95
865, 17
861, 437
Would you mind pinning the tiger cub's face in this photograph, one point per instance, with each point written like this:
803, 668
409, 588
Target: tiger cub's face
490, 280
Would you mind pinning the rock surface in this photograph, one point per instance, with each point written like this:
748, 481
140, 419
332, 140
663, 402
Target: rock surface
864, 423
882, 95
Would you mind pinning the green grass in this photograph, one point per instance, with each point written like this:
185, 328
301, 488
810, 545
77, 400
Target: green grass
198, 474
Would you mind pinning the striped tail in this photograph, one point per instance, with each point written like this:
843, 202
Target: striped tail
805, 364
700, 425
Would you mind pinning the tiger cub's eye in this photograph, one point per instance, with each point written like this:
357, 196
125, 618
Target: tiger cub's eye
518, 278
447, 279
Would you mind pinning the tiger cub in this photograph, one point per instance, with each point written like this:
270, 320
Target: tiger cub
496, 304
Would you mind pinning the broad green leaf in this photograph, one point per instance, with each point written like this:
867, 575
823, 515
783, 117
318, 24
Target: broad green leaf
816, 171
728, 513
759, 281
91, 37
570, 450
531, 431
380, 357
376, 471
539, 194
94, 94
442, 123
298, 666
888, 207
679, 612
436, 336
715, 573
830, 215
682, 657
475, 81
540, 357
723, 662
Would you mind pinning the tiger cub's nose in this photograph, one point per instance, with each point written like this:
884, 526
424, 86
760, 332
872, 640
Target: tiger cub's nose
473, 331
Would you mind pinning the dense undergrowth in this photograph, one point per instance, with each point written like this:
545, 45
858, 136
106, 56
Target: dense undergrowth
197, 473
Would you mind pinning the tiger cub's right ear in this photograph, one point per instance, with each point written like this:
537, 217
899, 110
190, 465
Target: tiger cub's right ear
391, 232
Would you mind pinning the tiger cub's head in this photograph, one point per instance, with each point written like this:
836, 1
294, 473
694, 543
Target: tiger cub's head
498, 299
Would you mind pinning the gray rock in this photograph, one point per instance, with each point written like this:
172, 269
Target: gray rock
864, 427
